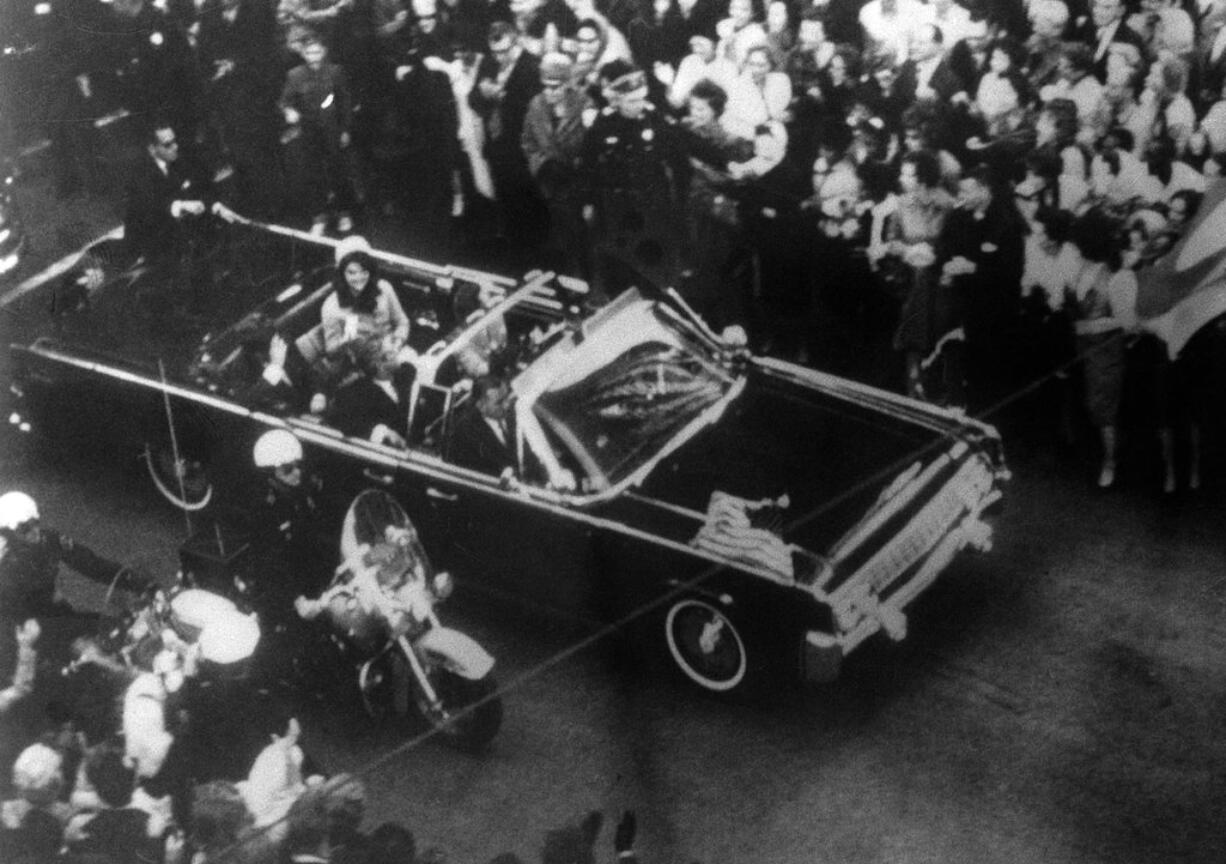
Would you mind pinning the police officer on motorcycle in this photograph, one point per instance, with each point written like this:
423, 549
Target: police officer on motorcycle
30, 558
284, 519
289, 510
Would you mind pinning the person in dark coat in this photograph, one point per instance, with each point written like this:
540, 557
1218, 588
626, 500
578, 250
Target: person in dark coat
507, 79
375, 406
161, 197
929, 72
117, 830
418, 129
981, 253
156, 68
633, 167
1105, 26
317, 105
30, 559
484, 435
552, 137
237, 48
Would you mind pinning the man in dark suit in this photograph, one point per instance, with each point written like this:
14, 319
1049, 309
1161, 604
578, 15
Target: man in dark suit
237, 49
928, 72
161, 194
484, 435
1106, 25
376, 405
507, 79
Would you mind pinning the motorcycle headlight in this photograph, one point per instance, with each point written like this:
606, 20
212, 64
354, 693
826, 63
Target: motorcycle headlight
443, 585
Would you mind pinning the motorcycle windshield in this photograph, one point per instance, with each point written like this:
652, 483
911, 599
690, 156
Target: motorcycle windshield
376, 520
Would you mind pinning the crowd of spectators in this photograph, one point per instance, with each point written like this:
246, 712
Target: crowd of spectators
176, 765
977, 182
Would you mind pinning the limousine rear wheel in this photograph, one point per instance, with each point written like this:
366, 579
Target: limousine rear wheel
184, 482
706, 644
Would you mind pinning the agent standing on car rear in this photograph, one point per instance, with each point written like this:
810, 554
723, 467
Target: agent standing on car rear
162, 198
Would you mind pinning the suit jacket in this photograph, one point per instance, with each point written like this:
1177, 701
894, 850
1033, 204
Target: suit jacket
149, 228
362, 405
1209, 73
504, 119
546, 142
474, 444
250, 43
1088, 34
945, 81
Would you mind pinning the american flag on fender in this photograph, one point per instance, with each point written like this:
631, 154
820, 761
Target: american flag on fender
729, 531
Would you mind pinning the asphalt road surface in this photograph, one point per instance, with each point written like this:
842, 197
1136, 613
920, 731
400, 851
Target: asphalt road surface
1059, 699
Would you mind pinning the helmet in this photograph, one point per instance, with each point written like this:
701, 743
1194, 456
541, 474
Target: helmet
276, 447
16, 508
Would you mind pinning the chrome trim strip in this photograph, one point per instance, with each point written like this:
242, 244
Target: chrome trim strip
903, 407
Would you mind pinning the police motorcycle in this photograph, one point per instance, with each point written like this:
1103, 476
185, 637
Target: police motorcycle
381, 606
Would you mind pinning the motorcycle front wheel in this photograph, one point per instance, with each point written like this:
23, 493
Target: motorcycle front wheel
470, 714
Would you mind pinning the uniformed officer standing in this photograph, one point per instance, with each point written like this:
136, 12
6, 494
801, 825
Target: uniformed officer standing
632, 166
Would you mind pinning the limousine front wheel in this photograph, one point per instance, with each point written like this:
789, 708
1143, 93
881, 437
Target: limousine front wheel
706, 644
184, 481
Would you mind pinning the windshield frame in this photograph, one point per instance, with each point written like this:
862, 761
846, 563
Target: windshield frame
540, 377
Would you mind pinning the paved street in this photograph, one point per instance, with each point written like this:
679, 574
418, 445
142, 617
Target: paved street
1057, 700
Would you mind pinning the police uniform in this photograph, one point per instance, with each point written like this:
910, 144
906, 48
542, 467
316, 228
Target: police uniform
630, 168
28, 573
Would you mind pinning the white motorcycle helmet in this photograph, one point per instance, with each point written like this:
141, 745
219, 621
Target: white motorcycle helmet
16, 509
275, 448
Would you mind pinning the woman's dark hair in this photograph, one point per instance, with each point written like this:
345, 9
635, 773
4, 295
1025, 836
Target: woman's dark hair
1063, 113
1045, 164
1096, 236
368, 299
1191, 199
1002, 205
1124, 139
927, 167
105, 769
850, 57
1078, 55
1057, 223
711, 93
1011, 49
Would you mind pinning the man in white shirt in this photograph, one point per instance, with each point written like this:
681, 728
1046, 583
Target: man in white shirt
888, 24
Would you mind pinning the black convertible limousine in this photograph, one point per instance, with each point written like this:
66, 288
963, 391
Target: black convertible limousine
761, 516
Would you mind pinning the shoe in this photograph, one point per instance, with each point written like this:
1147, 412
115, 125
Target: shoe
1106, 477
344, 224
457, 206
318, 227
1168, 484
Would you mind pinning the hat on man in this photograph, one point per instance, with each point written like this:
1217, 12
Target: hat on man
556, 68
622, 78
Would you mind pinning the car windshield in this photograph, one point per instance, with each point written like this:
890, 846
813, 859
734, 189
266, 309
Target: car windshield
616, 396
